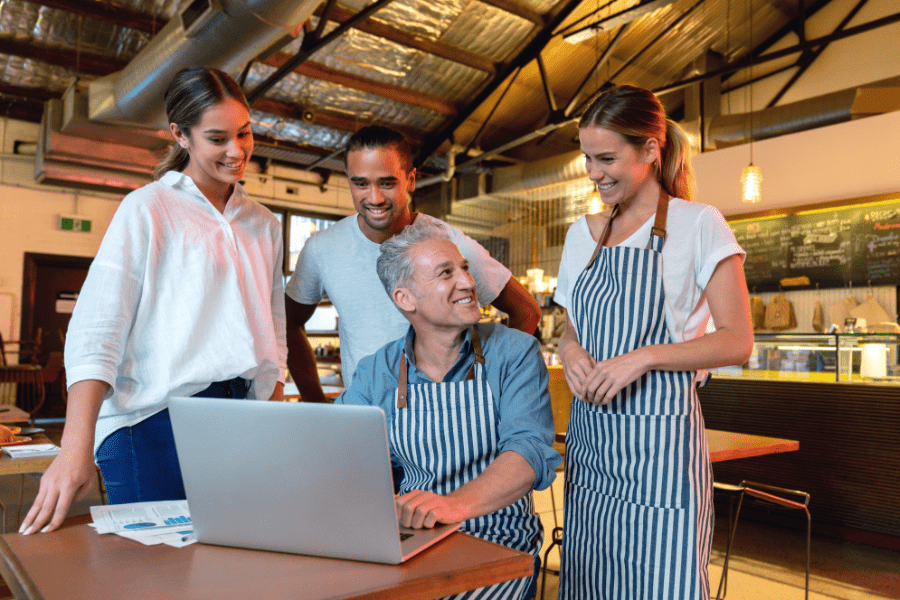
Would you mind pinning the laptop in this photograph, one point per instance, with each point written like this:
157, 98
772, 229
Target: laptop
309, 479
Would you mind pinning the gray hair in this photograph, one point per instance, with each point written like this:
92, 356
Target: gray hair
394, 266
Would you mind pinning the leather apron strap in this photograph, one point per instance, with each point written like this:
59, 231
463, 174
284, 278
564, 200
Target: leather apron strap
403, 379
658, 229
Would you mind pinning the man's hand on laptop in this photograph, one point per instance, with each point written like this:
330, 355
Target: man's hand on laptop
419, 509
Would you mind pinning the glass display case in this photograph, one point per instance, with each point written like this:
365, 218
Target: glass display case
842, 357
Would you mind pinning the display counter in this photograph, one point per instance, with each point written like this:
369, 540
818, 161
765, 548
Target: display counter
868, 358
840, 397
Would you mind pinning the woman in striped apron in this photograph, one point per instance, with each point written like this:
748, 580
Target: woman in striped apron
639, 284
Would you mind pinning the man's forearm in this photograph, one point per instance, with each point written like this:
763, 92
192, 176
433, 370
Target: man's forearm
502, 483
523, 310
302, 365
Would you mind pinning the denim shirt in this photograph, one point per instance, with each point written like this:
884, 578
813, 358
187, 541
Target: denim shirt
516, 374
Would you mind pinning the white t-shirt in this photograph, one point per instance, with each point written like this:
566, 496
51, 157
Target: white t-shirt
179, 296
698, 239
340, 262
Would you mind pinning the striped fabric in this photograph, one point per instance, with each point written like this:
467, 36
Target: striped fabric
638, 507
447, 436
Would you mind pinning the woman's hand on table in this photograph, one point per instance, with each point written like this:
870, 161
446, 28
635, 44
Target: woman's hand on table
69, 478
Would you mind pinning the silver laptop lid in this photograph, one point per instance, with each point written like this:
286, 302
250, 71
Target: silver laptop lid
291, 477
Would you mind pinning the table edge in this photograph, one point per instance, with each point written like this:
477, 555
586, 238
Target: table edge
15, 576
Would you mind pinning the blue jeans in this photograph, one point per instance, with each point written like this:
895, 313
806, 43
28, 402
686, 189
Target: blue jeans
139, 463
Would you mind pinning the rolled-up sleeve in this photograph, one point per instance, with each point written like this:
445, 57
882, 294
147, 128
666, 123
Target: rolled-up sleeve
526, 416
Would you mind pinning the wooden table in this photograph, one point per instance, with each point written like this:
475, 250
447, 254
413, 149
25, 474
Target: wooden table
13, 414
728, 445
33, 464
74, 562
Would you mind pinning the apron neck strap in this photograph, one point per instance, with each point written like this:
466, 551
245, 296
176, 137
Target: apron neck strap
603, 236
659, 224
658, 229
403, 379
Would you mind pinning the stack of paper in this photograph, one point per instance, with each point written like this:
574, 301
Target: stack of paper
150, 523
30, 450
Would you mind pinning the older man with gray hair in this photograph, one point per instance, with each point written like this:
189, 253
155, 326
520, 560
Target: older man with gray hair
467, 403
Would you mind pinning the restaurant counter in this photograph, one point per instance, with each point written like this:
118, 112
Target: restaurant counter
849, 446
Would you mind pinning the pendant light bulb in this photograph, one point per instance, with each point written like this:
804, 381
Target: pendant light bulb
751, 184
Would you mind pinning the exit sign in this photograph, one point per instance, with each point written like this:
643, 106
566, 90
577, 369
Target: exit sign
73, 223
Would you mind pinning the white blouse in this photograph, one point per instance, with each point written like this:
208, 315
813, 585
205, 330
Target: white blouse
179, 296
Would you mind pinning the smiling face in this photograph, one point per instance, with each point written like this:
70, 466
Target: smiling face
442, 293
620, 171
219, 145
380, 186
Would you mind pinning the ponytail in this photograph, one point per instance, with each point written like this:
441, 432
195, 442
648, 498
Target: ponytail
176, 160
676, 175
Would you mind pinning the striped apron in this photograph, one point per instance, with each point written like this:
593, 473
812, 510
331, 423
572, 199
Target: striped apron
638, 500
444, 435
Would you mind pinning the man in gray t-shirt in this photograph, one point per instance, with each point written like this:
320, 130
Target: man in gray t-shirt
340, 262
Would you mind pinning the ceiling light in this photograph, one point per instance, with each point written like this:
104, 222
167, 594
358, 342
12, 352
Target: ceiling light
751, 175
751, 184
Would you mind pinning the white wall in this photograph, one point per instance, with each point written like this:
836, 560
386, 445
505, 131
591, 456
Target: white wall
28, 217
844, 161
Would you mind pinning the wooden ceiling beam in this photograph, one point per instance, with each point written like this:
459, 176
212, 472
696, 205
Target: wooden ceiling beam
323, 118
518, 10
81, 62
369, 86
23, 103
298, 113
29, 94
109, 12
457, 55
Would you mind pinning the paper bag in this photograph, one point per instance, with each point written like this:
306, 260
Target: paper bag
757, 313
780, 314
818, 321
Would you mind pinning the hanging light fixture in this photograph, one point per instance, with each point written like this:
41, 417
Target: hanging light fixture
751, 184
751, 176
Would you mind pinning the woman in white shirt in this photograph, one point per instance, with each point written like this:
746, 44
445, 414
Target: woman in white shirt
184, 298
639, 283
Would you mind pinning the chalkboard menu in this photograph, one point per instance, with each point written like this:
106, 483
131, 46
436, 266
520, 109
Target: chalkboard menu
832, 247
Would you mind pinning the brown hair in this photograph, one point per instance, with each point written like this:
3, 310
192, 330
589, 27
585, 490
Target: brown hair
191, 92
637, 115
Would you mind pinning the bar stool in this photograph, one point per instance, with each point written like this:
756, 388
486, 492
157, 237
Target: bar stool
734, 492
768, 495
557, 533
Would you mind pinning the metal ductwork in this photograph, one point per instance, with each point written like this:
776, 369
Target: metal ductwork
224, 34
109, 134
830, 109
521, 181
